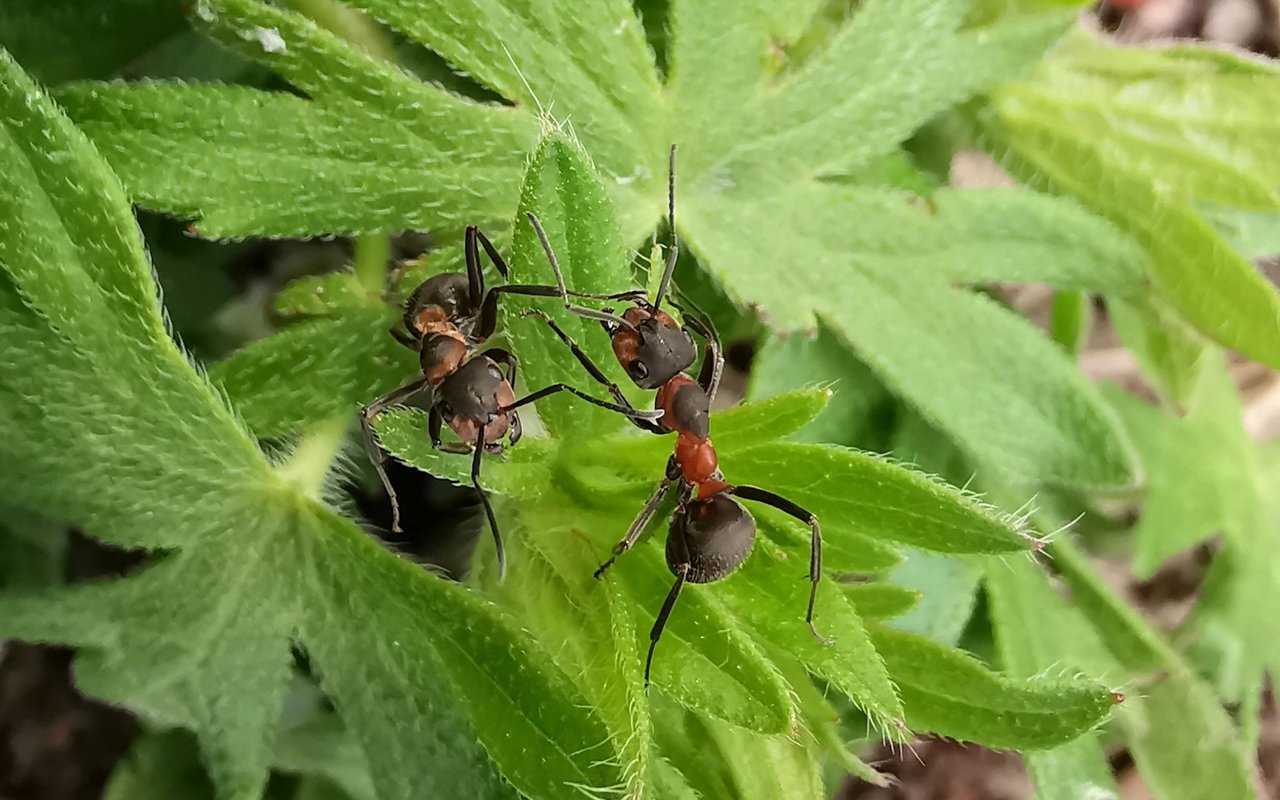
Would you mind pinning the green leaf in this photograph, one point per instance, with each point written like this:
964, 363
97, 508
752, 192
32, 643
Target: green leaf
948, 590
1253, 234
769, 594
907, 506
948, 692
352, 184
785, 363
314, 370
880, 600
1069, 320
76, 39
319, 745
1170, 353
1141, 137
252, 565
160, 766
563, 190
979, 373
1185, 745
718, 760
1199, 469
1035, 630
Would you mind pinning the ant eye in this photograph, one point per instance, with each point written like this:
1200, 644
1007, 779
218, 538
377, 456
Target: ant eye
495, 373
446, 411
638, 370
688, 336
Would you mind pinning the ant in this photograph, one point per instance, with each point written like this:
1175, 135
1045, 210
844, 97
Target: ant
446, 319
710, 534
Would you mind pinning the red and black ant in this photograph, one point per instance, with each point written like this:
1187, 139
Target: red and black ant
446, 319
710, 533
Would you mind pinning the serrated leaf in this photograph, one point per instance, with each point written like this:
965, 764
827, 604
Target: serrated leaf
946, 691
978, 372
1034, 630
92, 379
880, 600
718, 760
1142, 137
1184, 743
563, 190
770, 592
312, 176
1199, 468
906, 506
787, 363
948, 589
314, 370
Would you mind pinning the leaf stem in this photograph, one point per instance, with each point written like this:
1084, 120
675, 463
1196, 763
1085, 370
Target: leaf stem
312, 458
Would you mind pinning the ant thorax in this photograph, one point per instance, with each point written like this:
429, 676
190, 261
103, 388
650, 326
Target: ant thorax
442, 354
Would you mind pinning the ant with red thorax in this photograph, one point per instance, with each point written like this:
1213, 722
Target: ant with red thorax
710, 534
446, 319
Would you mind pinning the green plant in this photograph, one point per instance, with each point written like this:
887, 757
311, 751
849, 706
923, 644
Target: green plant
810, 140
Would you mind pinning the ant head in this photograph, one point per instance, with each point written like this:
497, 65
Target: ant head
473, 397
655, 349
718, 534
441, 356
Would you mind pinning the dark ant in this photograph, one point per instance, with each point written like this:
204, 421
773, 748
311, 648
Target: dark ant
710, 534
446, 319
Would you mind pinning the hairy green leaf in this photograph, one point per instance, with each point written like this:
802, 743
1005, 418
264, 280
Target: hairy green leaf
880, 600
946, 691
1199, 468
1140, 137
252, 565
1035, 630
1184, 743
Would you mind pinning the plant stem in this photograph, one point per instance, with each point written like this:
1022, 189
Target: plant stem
311, 459
373, 252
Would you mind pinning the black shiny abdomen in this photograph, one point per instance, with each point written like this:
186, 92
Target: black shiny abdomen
718, 534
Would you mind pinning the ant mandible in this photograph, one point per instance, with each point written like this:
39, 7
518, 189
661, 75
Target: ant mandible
446, 319
710, 534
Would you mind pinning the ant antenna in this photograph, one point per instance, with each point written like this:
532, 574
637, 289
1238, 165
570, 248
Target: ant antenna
671, 223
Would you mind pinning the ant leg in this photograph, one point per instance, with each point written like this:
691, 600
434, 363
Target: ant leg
488, 509
434, 424
475, 275
815, 540
377, 455
564, 293
593, 370
637, 525
713, 363
628, 410
682, 570
494, 255
405, 338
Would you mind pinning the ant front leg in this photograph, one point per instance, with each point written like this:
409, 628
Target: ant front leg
638, 524
628, 410
377, 455
488, 509
594, 371
815, 541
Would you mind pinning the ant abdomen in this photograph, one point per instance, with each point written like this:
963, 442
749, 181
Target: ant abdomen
713, 536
